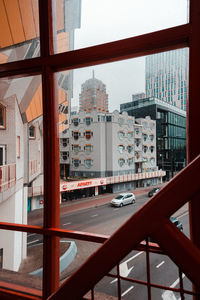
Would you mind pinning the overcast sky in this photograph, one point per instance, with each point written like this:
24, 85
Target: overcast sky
108, 20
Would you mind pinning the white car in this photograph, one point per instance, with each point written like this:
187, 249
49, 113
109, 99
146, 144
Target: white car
123, 199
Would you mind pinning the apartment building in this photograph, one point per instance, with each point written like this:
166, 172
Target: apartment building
170, 131
112, 144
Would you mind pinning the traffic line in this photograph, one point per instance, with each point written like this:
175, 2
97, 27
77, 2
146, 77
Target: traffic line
67, 223
31, 234
124, 270
183, 215
113, 281
94, 216
159, 265
127, 291
176, 281
134, 256
33, 242
116, 208
169, 295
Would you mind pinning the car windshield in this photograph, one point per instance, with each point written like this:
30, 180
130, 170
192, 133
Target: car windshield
119, 197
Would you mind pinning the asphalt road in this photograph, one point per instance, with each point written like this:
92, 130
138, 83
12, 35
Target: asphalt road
105, 220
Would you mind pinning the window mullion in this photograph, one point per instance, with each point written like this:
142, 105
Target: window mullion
51, 151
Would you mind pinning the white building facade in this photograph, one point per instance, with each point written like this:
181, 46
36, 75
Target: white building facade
113, 144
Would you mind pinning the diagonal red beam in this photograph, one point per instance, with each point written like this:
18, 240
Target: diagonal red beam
179, 248
141, 224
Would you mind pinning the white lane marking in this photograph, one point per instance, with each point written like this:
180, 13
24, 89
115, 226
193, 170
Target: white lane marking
94, 216
128, 290
169, 295
159, 265
134, 256
67, 223
32, 242
31, 234
113, 281
124, 271
176, 281
116, 208
183, 215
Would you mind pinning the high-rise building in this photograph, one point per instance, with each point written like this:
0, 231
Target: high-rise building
93, 95
167, 77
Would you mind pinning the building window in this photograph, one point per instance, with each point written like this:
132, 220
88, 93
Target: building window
121, 162
88, 163
18, 146
65, 142
144, 125
88, 134
2, 116
32, 132
121, 135
121, 121
130, 122
76, 121
145, 149
76, 134
76, 148
137, 154
102, 118
130, 148
76, 162
152, 149
137, 131
88, 149
151, 125
65, 155
130, 161
152, 160
130, 135
137, 142
121, 148
151, 137
88, 121
145, 136
108, 118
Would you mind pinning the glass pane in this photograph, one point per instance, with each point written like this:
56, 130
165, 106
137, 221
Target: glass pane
19, 30
84, 26
21, 165
21, 259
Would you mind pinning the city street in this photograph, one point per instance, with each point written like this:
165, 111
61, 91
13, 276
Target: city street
105, 219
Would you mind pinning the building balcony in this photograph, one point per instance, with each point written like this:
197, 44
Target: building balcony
7, 177
34, 169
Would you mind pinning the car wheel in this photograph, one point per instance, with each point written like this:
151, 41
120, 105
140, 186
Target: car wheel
121, 204
133, 201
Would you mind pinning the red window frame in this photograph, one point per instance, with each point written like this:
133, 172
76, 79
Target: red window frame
47, 64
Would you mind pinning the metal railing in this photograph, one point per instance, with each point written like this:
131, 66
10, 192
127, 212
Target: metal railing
7, 177
33, 167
